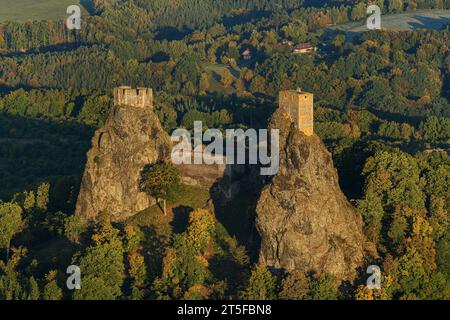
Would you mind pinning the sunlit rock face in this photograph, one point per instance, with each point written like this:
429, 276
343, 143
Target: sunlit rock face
304, 220
131, 138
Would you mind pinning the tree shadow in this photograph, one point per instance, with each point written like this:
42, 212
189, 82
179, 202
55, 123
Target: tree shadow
349, 164
180, 219
225, 269
87, 4
429, 22
169, 34
55, 48
154, 245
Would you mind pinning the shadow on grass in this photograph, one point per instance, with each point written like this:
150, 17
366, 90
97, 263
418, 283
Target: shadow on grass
180, 218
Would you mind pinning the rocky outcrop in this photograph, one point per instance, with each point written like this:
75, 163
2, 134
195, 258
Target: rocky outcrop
131, 138
304, 220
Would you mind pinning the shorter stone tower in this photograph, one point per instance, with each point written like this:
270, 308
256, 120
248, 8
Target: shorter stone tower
139, 97
299, 105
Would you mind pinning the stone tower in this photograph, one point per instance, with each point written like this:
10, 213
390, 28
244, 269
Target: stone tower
299, 105
139, 97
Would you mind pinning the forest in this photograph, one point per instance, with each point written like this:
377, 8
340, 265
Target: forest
382, 108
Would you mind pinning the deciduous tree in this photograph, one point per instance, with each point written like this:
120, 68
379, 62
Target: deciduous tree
10, 223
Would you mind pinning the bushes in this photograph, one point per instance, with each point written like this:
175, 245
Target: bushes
261, 285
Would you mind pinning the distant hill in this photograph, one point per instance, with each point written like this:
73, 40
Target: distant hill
34, 10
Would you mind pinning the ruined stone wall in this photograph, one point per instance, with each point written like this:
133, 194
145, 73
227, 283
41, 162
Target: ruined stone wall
139, 97
202, 175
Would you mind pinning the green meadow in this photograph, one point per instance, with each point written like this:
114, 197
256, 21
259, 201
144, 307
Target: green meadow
423, 19
34, 9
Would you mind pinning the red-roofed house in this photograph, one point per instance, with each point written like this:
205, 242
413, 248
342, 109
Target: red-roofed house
247, 54
304, 48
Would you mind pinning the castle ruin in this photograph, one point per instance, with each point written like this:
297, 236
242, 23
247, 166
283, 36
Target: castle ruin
299, 105
139, 97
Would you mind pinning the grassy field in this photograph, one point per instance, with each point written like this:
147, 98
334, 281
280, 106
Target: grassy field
426, 19
215, 71
191, 198
34, 9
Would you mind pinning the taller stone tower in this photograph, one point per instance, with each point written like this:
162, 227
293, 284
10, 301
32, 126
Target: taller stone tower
305, 221
139, 97
299, 105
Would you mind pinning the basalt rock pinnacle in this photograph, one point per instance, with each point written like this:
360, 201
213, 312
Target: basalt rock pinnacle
304, 220
131, 138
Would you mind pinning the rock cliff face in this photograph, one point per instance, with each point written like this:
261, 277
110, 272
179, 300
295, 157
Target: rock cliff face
304, 220
131, 138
